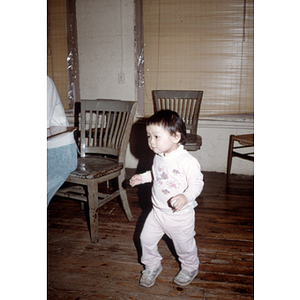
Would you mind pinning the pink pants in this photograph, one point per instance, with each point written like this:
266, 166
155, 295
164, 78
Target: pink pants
180, 228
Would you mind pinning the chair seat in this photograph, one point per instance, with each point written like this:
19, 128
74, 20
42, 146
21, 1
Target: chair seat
92, 167
193, 142
245, 139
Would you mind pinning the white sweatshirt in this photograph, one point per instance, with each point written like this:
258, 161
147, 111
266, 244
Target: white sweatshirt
175, 173
56, 117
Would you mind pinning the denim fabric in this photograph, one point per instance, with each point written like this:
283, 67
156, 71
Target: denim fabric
61, 161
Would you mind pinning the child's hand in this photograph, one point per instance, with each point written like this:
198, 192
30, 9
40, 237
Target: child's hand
178, 202
135, 180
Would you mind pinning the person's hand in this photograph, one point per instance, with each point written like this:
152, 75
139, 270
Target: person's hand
177, 202
135, 180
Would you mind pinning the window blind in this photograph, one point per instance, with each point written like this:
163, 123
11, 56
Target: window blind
201, 45
57, 48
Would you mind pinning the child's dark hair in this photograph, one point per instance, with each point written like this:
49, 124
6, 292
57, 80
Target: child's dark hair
171, 121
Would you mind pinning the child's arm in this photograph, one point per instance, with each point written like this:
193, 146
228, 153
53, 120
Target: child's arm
195, 185
194, 179
135, 180
140, 178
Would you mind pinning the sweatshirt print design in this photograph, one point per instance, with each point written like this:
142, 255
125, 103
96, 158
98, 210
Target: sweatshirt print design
163, 180
173, 174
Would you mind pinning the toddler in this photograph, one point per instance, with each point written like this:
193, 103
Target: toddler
177, 181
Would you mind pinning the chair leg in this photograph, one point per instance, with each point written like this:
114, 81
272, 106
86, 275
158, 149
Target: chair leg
229, 159
93, 214
123, 196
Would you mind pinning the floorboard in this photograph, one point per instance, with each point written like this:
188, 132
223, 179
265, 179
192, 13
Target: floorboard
78, 269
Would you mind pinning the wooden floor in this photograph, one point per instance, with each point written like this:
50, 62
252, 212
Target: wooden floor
78, 269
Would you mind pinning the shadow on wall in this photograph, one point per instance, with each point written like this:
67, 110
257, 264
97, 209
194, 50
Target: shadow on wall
141, 151
139, 146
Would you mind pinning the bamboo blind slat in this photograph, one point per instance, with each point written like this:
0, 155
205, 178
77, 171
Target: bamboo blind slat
57, 51
201, 45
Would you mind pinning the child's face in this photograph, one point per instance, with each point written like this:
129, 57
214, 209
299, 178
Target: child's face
160, 141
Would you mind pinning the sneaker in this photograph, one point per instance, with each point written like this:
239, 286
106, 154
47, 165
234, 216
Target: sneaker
149, 276
184, 277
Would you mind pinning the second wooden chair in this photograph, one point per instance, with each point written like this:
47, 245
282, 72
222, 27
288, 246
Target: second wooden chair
187, 105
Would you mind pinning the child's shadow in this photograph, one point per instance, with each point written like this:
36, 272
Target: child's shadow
139, 149
144, 196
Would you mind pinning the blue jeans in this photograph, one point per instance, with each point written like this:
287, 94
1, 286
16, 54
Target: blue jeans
61, 162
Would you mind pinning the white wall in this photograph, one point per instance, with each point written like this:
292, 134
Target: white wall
215, 134
105, 31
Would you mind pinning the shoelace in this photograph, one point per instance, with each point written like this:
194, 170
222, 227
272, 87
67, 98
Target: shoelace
185, 275
148, 272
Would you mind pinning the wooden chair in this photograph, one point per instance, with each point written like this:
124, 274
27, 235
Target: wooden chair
187, 105
245, 140
104, 137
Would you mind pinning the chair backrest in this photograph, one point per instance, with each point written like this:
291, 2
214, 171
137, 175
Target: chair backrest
106, 126
185, 103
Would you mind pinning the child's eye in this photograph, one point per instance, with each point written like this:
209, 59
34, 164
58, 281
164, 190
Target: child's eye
157, 136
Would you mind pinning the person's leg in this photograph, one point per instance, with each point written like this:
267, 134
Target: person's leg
185, 246
61, 162
182, 231
150, 236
